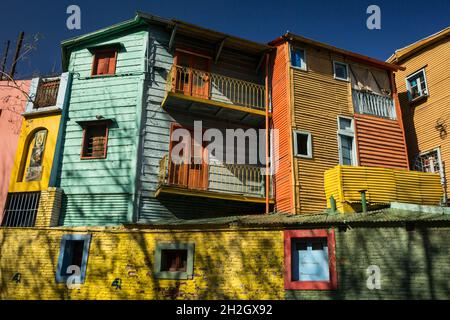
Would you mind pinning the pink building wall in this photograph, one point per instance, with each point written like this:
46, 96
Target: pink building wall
12, 104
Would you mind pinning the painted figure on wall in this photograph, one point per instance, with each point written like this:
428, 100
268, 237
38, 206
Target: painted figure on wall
34, 170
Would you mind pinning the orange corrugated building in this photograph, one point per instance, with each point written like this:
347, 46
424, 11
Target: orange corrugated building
331, 107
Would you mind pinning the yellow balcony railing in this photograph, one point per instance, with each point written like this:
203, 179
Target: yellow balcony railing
216, 87
245, 180
381, 186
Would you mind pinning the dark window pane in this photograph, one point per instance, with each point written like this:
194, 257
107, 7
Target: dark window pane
73, 255
302, 144
94, 141
174, 260
340, 71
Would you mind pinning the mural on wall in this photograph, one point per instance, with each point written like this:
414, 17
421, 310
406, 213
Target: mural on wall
34, 170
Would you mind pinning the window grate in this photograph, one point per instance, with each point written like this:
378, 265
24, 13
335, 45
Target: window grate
47, 94
21, 209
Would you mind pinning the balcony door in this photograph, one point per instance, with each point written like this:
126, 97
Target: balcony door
192, 76
191, 175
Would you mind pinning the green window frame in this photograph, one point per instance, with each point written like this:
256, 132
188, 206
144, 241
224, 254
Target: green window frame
182, 275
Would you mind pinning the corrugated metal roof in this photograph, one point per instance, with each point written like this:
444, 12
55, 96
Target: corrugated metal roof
383, 216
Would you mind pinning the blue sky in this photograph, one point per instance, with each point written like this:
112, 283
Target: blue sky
340, 23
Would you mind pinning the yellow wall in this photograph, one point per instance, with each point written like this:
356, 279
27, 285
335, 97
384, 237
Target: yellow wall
228, 263
29, 126
382, 185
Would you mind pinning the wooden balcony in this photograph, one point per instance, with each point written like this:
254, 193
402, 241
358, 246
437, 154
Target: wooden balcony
214, 180
381, 186
373, 104
205, 93
47, 93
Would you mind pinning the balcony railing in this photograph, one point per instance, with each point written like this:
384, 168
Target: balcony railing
211, 86
381, 186
47, 93
246, 180
373, 104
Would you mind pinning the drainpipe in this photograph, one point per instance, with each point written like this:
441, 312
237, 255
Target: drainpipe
363, 201
267, 136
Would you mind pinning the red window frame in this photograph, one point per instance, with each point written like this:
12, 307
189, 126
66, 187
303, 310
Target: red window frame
105, 147
310, 285
111, 66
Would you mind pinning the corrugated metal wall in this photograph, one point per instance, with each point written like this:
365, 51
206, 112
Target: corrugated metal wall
156, 131
318, 100
283, 184
380, 142
420, 119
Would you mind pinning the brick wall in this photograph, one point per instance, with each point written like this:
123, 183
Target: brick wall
49, 207
229, 263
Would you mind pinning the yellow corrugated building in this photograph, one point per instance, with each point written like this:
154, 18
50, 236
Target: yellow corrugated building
424, 94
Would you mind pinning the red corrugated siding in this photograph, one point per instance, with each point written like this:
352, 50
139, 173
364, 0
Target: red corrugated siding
380, 142
283, 183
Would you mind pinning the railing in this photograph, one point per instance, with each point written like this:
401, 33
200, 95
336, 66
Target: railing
47, 93
21, 209
246, 180
373, 104
381, 186
211, 86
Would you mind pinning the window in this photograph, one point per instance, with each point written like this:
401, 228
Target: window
310, 262
417, 85
73, 257
429, 161
174, 260
346, 141
104, 62
298, 58
21, 209
340, 71
302, 144
95, 140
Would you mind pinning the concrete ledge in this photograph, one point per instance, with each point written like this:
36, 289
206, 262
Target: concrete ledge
420, 208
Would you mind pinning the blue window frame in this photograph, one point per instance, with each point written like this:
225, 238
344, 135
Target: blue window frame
74, 251
298, 58
310, 259
340, 71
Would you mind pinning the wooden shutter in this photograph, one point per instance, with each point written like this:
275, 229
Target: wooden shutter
105, 62
95, 141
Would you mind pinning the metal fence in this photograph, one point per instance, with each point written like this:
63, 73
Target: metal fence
216, 87
239, 179
373, 104
21, 209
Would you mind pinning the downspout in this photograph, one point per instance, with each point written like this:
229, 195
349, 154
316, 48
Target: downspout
267, 136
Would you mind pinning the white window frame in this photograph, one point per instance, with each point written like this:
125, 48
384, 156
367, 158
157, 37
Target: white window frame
408, 85
348, 133
438, 152
293, 47
334, 71
309, 148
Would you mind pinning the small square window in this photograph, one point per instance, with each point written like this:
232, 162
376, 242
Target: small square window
302, 144
340, 71
104, 62
174, 260
310, 262
72, 256
417, 85
298, 58
95, 140
345, 124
